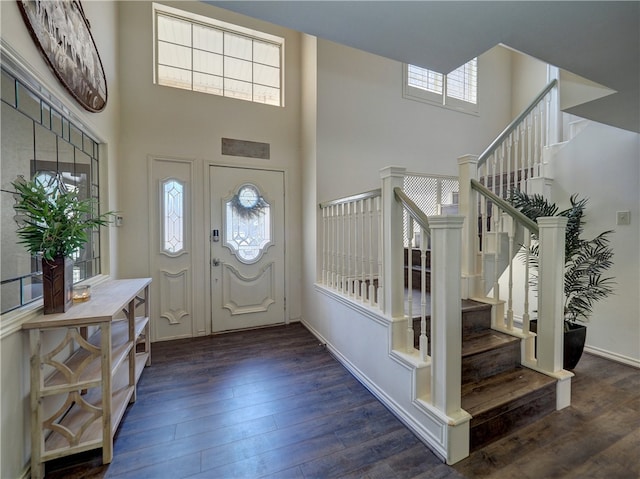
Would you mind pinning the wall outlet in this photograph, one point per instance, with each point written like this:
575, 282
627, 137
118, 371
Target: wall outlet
623, 217
119, 220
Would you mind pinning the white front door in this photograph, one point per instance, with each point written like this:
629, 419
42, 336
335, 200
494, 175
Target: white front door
247, 248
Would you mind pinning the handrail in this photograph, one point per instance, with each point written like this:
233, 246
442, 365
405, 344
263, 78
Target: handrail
531, 225
416, 213
348, 199
512, 126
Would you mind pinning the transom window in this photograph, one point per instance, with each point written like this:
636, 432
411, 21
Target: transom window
458, 89
198, 53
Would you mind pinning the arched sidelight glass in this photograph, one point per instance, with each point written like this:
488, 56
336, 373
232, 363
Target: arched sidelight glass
247, 224
172, 216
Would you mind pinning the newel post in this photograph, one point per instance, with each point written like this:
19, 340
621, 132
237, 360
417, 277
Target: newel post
468, 207
392, 243
551, 292
446, 313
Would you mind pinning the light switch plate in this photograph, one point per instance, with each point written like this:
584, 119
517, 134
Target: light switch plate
623, 217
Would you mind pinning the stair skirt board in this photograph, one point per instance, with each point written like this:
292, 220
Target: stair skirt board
498, 393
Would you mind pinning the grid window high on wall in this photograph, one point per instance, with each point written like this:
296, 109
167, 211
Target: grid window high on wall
198, 53
458, 90
40, 140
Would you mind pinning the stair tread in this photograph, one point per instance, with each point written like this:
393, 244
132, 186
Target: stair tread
486, 340
471, 305
487, 394
467, 306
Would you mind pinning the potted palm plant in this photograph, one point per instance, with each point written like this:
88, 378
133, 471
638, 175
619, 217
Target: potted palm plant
586, 262
54, 223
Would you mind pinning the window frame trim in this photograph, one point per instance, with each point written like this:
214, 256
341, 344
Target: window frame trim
223, 26
441, 100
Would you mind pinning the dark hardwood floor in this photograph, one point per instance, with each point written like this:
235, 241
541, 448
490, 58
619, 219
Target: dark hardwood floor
274, 403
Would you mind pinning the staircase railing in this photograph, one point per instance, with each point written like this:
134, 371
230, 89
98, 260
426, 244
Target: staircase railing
351, 246
549, 233
516, 155
363, 259
497, 237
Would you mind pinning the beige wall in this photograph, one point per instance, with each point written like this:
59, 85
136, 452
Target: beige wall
15, 444
528, 78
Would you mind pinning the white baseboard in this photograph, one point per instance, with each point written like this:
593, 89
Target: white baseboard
618, 358
603, 353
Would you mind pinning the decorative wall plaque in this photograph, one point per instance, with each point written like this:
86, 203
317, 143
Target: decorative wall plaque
61, 31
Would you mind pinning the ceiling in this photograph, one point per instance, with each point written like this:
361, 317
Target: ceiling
597, 40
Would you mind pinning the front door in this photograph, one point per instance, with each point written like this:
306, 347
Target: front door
247, 248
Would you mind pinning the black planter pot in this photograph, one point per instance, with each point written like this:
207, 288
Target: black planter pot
574, 339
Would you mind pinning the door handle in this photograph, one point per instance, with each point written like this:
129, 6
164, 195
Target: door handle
215, 262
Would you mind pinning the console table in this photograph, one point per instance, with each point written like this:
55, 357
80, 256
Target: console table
82, 384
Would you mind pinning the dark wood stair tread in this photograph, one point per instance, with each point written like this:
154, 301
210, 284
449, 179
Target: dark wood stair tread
490, 394
484, 341
471, 305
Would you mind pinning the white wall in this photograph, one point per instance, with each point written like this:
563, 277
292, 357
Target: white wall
602, 164
15, 444
169, 122
364, 123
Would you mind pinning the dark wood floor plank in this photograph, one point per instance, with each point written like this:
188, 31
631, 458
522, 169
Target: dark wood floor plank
272, 403
182, 466
275, 460
360, 455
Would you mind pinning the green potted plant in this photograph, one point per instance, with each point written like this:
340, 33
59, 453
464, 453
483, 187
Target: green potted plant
54, 223
586, 261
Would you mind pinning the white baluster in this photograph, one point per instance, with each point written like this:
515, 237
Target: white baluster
509, 161
523, 156
332, 257
529, 145
356, 245
483, 241
380, 296
424, 338
349, 258
343, 249
372, 231
511, 233
324, 246
536, 143
365, 233
500, 187
409, 270
529, 350
496, 213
